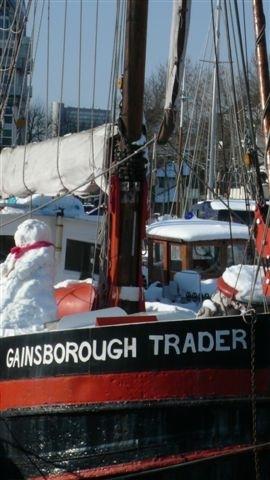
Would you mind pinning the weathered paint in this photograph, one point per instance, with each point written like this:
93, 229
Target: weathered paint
156, 394
126, 387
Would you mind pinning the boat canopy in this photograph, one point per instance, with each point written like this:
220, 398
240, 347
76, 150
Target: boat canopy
71, 163
235, 204
197, 230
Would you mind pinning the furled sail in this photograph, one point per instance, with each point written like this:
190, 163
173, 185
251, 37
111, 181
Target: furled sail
178, 41
71, 163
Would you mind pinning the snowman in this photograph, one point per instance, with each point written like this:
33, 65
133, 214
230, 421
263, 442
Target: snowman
26, 281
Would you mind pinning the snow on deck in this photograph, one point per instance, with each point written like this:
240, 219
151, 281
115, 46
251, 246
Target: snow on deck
247, 280
70, 206
195, 230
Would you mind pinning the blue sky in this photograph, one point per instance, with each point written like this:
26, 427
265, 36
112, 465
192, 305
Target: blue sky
159, 19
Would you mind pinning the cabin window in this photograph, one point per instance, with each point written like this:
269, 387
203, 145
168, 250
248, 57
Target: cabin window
6, 243
237, 254
175, 258
156, 259
158, 253
205, 258
80, 257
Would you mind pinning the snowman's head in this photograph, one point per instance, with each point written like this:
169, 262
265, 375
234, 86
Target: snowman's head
32, 231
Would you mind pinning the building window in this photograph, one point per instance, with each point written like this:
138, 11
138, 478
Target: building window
161, 182
6, 141
80, 258
7, 119
4, 21
6, 133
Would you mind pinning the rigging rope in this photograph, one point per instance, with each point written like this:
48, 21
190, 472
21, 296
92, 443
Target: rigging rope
233, 89
245, 35
251, 124
48, 67
200, 136
29, 91
118, 51
79, 67
201, 98
92, 160
200, 180
61, 96
217, 73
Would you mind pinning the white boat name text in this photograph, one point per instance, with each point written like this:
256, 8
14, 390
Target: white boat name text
115, 349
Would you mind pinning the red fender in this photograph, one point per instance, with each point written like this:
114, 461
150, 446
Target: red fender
75, 298
226, 289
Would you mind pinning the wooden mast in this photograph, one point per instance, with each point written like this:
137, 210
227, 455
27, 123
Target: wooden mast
263, 73
134, 67
128, 188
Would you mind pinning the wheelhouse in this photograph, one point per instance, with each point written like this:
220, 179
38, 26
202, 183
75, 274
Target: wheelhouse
204, 246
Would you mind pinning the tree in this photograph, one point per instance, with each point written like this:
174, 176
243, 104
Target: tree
35, 123
154, 97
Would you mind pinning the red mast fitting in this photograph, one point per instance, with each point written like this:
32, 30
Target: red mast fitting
128, 188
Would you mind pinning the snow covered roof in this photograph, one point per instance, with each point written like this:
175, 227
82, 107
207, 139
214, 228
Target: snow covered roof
195, 230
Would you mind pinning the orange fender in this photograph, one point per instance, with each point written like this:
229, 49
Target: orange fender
75, 298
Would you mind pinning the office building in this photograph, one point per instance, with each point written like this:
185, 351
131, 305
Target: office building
70, 118
14, 88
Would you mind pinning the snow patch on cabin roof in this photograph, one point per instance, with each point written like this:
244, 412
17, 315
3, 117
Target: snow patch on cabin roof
195, 230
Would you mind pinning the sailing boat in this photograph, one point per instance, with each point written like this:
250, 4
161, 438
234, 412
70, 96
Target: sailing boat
130, 396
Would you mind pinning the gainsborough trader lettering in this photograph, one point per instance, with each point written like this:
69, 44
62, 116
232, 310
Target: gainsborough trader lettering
115, 349
71, 352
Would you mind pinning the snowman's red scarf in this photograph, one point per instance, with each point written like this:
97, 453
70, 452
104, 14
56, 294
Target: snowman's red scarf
19, 251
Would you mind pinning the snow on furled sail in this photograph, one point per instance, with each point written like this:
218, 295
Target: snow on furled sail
178, 42
71, 163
